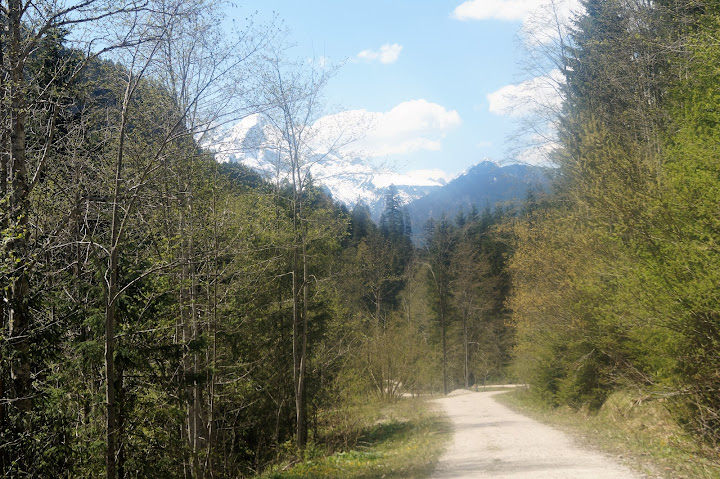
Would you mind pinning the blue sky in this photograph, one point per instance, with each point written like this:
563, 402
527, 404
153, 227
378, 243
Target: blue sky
432, 71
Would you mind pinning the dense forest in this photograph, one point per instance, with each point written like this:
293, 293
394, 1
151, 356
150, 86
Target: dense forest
615, 274
165, 315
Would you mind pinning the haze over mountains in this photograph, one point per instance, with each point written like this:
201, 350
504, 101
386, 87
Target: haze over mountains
483, 185
350, 180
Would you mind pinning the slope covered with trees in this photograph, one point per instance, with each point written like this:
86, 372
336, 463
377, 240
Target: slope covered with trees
485, 185
615, 274
163, 315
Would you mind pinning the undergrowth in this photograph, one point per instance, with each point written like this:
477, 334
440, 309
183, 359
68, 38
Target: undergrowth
401, 440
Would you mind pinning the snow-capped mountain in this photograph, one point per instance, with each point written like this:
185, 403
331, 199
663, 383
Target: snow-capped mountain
256, 143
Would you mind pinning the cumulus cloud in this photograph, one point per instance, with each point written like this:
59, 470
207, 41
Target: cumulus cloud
528, 97
535, 104
540, 153
540, 17
388, 53
411, 126
496, 9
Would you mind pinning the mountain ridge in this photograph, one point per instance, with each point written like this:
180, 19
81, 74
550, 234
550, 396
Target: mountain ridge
426, 193
485, 184
252, 142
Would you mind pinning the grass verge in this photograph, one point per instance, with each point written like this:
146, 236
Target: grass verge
402, 440
640, 433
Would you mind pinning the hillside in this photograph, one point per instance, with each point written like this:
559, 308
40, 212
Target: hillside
484, 185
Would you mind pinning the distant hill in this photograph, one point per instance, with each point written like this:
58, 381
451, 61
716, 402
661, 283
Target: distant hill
484, 185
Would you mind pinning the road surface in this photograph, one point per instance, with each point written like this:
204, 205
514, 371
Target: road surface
490, 440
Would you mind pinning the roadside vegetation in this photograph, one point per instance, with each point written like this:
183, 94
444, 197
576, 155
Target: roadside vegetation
638, 430
615, 271
402, 440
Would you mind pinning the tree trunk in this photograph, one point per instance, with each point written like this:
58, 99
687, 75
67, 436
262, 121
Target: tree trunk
211, 359
300, 322
299, 349
298, 357
303, 430
4, 299
465, 345
120, 426
4, 161
194, 407
18, 310
188, 319
444, 347
111, 300
111, 413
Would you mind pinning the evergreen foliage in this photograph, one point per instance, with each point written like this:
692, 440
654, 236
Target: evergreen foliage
612, 271
163, 315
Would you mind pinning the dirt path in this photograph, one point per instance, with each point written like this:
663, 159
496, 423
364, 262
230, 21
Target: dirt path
490, 440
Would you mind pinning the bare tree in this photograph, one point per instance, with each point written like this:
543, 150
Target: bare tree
184, 52
210, 75
292, 92
535, 101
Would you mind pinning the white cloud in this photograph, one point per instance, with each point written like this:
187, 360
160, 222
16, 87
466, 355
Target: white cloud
536, 103
411, 126
550, 21
387, 54
537, 94
540, 17
496, 9
540, 154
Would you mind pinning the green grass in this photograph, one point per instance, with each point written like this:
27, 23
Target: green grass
639, 431
403, 440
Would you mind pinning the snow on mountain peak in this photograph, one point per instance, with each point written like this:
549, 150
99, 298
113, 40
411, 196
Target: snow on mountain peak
253, 142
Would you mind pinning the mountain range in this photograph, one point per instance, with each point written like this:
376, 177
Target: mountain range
484, 185
426, 194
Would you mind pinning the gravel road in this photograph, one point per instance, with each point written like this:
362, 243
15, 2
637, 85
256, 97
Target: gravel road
490, 440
